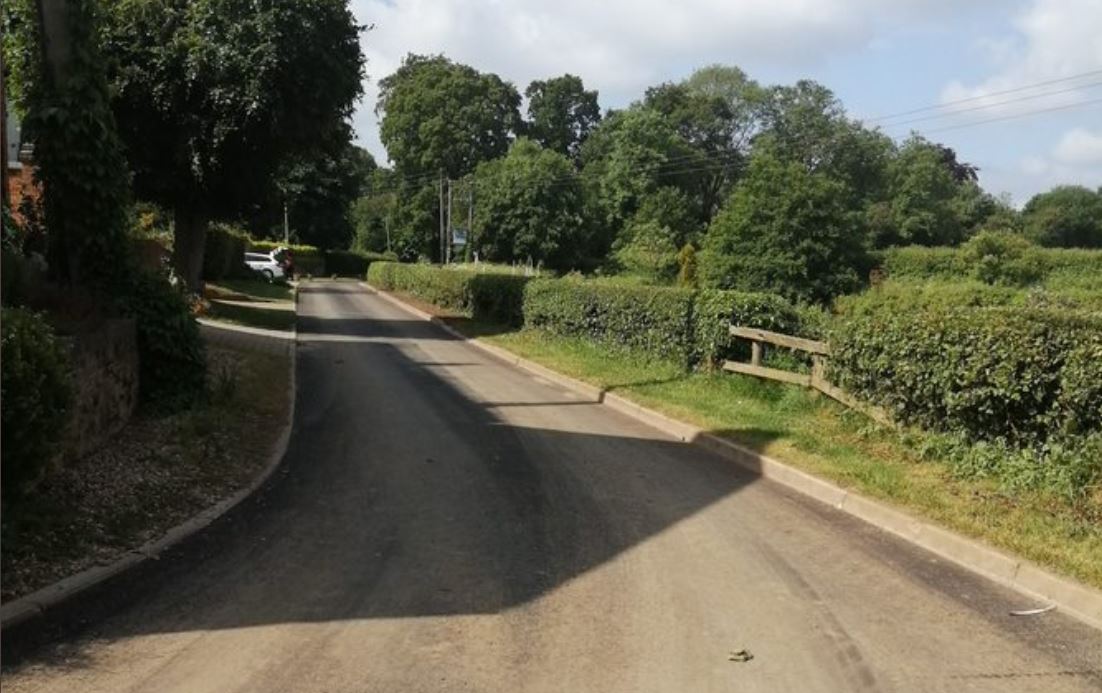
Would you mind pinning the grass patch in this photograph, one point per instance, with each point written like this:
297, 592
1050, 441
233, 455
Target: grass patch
268, 318
816, 434
249, 289
156, 473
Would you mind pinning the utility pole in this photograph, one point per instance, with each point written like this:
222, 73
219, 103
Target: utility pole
441, 188
448, 234
286, 225
470, 220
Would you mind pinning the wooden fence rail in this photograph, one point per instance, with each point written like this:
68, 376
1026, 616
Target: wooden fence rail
816, 380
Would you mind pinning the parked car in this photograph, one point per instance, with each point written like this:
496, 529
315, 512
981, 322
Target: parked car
266, 264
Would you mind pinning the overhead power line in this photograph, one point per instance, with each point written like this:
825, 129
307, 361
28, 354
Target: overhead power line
988, 106
1068, 107
1025, 87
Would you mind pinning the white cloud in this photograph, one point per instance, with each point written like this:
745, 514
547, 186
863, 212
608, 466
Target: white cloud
620, 46
1079, 146
1053, 40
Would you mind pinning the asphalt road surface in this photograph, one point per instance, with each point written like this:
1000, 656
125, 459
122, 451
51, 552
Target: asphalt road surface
445, 522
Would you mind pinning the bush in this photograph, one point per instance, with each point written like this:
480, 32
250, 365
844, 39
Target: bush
654, 320
35, 390
308, 259
224, 253
170, 350
1018, 375
1031, 264
715, 310
1001, 257
489, 296
351, 263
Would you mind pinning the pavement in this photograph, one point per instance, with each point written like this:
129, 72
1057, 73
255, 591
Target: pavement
446, 522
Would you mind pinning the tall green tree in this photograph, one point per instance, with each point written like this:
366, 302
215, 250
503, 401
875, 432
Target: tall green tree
561, 113
441, 117
1068, 216
785, 230
213, 96
528, 207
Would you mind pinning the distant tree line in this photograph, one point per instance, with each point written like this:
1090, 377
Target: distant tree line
763, 187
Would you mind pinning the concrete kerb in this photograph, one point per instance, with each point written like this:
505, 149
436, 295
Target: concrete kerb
37, 604
1071, 597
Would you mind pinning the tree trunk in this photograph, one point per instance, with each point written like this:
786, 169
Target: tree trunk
190, 241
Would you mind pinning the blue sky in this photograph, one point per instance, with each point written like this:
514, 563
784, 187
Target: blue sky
880, 57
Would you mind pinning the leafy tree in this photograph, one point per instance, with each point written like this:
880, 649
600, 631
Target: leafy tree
561, 113
921, 194
687, 266
213, 96
1068, 216
319, 188
651, 253
628, 158
807, 123
443, 117
671, 209
373, 213
716, 110
786, 230
527, 206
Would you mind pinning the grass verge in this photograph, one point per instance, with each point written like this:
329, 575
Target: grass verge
818, 435
155, 474
250, 302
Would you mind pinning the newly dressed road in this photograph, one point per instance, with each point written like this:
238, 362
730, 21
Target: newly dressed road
445, 522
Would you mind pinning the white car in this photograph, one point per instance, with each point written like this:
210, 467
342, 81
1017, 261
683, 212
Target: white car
266, 264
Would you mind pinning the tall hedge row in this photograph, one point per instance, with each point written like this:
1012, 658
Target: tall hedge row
655, 320
485, 296
1018, 375
352, 263
224, 253
689, 326
1027, 264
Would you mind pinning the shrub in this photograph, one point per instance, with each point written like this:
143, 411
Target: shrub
489, 296
170, 350
35, 391
1019, 375
351, 263
921, 262
715, 310
655, 320
224, 253
1033, 264
1001, 257
308, 259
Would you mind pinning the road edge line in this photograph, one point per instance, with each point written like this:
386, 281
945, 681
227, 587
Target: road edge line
1072, 597
35, 605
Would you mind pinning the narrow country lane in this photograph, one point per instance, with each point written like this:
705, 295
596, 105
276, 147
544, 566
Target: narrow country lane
445, 522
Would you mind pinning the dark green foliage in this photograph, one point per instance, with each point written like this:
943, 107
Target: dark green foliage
1017, 375
36, 394
224, 253
78, 152
348, 263
1068, 216
715, 310
655, 320
443, 117
170, 349
787, 231
482, 295
561, 113
529, 208
650, 253
1001, 257
1029, 264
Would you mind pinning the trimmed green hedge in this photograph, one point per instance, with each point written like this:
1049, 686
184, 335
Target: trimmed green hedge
224, 253
352, 263
715, 310
654, 320
1029, 264
484, 296
308, 259
1017, 375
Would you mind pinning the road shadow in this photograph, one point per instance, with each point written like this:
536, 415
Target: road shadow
403, 494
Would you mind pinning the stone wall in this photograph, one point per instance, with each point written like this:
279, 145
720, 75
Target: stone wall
105, 386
